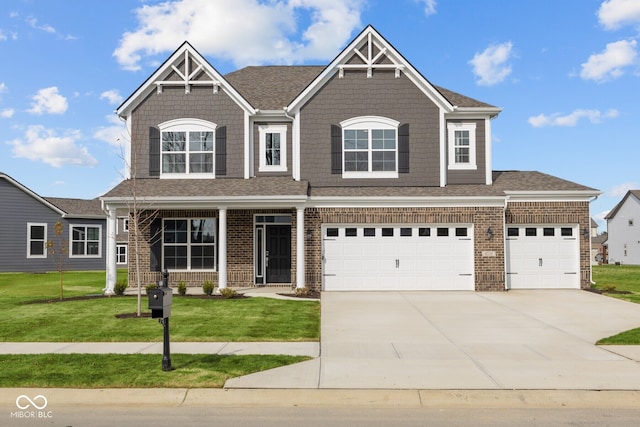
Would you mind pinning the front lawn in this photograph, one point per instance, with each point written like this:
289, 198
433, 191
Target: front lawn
623, 282
132, 370
192, 319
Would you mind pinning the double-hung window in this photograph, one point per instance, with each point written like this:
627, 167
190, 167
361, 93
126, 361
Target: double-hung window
462, 145
189, 244
370, 147
273, 148
36, 240
85, 241
187, 148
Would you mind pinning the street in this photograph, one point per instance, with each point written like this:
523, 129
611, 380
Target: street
322, 416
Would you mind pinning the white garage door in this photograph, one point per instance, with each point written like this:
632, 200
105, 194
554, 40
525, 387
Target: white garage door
542, 257
403, 257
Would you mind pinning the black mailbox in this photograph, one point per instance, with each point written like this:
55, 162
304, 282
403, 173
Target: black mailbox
160, 300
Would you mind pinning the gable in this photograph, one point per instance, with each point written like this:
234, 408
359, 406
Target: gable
635, 194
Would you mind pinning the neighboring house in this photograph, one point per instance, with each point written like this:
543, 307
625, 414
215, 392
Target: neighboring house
623, 226
598, 250
361, 175
28, 223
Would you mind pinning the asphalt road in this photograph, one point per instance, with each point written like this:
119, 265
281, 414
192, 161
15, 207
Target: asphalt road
325, 416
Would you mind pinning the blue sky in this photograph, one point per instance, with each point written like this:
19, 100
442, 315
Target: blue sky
566, 73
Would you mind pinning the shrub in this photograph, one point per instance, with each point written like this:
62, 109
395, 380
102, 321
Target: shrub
609, 288
303, 292
182, 288
207, 287
228, 293
150, 286
120, 287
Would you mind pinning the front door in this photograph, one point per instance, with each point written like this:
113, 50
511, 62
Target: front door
272, 244
278, 254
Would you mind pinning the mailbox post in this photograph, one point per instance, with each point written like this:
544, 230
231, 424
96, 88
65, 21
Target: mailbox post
160, 300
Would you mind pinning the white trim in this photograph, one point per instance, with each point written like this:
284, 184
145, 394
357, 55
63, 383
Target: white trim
263, 130
248, 147
300, 249
443, 149
452, 127
44, 240
488, 147
295, 147
222, 248
85, 240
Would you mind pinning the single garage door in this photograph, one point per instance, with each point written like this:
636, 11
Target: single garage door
402, 257
542, 257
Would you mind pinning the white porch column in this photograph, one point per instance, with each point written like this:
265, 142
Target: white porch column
222, 248
300, 276
111, 251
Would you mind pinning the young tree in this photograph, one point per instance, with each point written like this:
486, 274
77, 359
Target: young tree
59, 249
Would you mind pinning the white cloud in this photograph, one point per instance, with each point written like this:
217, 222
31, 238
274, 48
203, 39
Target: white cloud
619, 191
610, 63
33, 22
614, 14
116, 134
48, 100
44, 145
112, 96
228, 30
594, 116
3, 88
429, 6
7, 113
492, 65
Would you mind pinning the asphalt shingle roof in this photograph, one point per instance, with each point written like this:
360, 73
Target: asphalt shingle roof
77, 207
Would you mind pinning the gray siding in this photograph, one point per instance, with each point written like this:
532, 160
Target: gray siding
18, 208
477, 176
201, 103
382, 95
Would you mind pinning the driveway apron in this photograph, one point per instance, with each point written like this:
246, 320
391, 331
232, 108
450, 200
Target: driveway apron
542, 339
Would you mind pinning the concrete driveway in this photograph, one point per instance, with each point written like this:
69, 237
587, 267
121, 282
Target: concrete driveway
542, 339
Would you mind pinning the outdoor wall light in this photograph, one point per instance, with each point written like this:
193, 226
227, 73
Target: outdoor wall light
489, 233
585, 233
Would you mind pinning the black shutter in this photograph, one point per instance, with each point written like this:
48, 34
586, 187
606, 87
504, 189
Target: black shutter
403, 148
336, 149
155, 244
221, 150
154, 151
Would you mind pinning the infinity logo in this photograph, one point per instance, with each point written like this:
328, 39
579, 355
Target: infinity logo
30, 402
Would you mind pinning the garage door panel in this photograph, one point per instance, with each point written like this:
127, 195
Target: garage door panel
406, 258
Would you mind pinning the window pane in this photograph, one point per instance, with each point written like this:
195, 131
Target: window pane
78, 233
272, 149
332, 232
387, 232
443, 232
201, 163
202, 231
566, 231
36, 248
93, 233
37, 232
548, 231
200, 141
175, 231
369, 232
92, 248
351, 232
424, 232
383, 139
530, 232
383, 161
174, 141
461, 232
513, 232
406, 232
462, 137
77, 248
362, 139
174, 163
356, 161
462, 155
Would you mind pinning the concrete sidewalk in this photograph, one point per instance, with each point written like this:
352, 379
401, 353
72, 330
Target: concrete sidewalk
311, 349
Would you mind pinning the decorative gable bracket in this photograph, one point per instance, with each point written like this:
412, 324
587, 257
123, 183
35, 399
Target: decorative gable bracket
187, 78
371, 61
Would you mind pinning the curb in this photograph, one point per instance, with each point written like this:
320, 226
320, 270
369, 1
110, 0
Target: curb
432, 399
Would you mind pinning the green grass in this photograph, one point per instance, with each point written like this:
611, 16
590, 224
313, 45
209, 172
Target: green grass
625, 278
250, 319
132, 370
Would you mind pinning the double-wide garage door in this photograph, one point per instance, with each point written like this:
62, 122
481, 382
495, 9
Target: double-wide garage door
542, 257
402, 257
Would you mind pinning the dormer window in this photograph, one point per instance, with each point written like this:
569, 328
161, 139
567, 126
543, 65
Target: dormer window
187, 148
462, 145
273, 148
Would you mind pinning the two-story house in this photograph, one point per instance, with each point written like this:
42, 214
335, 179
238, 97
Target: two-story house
360, 175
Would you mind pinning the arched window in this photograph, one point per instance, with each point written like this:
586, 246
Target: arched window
369, 147
187, 148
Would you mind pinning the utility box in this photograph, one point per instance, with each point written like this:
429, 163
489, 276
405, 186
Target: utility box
160, 300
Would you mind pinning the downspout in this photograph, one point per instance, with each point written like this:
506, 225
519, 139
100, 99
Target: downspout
504, 239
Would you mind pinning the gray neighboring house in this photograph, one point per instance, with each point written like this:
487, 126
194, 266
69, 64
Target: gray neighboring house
28, 222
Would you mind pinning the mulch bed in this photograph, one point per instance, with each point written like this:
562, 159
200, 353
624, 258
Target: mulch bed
602, 292
309, 295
